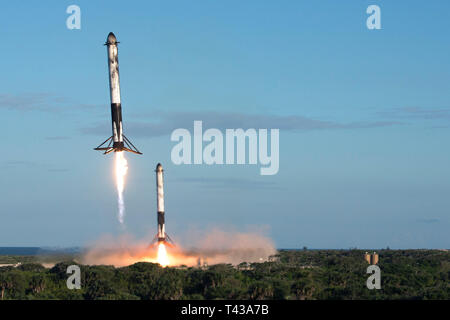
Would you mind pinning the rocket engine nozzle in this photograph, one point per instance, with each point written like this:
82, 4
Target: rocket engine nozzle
117, 146
166, 240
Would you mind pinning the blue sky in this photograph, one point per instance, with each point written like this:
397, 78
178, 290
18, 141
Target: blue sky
364, 119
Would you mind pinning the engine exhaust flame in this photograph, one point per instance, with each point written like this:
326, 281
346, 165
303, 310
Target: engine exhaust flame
163, 258
121, 168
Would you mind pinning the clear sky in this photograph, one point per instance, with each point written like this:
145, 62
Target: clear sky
364, 119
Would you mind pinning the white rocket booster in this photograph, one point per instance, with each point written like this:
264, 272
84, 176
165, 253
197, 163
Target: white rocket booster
161, 236
118, 140
160, 202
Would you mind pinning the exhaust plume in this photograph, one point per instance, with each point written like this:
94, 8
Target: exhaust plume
213, 247
121, 168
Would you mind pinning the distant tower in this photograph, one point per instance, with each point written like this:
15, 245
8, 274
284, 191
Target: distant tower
371, 258
367, 257
374, 258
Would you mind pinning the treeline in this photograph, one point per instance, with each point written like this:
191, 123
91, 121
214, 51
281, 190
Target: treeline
306, 274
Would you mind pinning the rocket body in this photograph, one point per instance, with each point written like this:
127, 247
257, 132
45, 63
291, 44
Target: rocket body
118, 141
114, 91
160, 203
161, 236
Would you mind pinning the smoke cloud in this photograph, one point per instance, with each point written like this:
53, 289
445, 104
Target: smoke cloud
211, 247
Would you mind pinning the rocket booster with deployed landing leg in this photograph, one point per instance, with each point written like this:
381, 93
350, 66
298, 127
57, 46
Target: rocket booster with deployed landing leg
117, 142
161, 236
